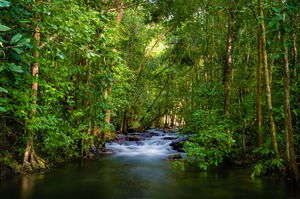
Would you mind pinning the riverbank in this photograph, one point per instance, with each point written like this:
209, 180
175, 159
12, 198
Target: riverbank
134, 143
141, 169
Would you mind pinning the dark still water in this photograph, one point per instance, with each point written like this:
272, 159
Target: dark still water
146, 173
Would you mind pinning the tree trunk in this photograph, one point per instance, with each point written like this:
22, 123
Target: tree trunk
31, 160
290, 148
228, 65
295, 55
118, 5
294, 71
108, 111
124, 126
267, 79
213, 51
258, 90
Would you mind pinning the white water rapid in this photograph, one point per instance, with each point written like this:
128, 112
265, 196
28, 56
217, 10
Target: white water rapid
152, 143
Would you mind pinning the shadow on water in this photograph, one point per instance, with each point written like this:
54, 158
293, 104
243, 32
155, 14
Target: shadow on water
141, 176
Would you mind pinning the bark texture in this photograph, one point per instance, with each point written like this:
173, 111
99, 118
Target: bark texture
258, 90
290, 148
267, 79
228, 65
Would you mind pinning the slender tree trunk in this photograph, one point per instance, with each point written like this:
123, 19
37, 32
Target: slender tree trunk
228, 65
119, 5
294, 71
108, 111
124, 128
172, 118
30, 158
213, 52
295, 55
290, 148
267, 79
258, 89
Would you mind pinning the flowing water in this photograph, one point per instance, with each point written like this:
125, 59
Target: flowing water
141, 169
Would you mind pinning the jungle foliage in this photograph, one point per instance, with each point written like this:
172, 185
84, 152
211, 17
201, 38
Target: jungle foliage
75, 72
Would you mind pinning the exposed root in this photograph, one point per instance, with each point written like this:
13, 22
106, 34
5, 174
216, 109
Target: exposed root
31, 160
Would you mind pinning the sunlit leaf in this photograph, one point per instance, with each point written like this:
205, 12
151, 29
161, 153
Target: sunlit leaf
4, 28
16, 38
15, 68
23, 42
4, 4
18, 50
2, 109
3, 90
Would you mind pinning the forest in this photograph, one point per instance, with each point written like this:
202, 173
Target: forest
74, 74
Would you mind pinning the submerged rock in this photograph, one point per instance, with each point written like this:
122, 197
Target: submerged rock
135, 138
175, 157
170, 138
153, 134
120, 138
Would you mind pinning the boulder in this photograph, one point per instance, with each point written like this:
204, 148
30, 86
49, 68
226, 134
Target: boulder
177, 145
120, 139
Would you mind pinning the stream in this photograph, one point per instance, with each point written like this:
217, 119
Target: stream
140, 169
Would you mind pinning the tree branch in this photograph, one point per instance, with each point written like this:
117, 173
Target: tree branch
161, 37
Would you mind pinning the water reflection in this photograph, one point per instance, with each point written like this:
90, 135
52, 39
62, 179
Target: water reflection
27, 186
145, 177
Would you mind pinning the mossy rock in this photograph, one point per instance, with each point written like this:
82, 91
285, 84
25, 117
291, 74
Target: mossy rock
9, 168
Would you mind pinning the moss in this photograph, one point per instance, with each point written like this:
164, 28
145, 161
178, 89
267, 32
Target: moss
9, 167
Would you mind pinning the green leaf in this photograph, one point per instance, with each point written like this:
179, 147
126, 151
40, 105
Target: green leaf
16, 38
4, 4
2, 109
4, 28
23, 42
2, 68
18, 50
3, 100
2, 40
3, 90
276, 10
15, 68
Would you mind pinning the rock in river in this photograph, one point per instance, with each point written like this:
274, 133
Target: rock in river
170, 138
135, 138
175, 157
